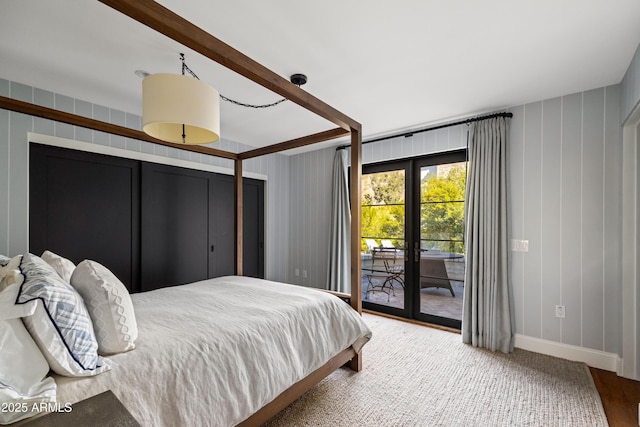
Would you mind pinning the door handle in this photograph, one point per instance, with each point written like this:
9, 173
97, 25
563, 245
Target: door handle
406, 251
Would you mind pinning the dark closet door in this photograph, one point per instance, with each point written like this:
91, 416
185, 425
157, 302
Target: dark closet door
152, 225
188, 229
224, 227
177, 226
85, 206
253, 228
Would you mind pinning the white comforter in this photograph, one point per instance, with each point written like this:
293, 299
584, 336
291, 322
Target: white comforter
216, 351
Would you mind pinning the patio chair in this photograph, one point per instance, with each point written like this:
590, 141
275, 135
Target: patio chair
386, 243
371, 245
383, 274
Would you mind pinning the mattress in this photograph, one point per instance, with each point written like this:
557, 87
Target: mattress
216, 351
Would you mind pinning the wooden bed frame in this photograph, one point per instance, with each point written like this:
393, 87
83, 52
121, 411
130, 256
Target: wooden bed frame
161, 19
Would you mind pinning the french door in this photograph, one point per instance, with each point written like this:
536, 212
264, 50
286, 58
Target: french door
413, 237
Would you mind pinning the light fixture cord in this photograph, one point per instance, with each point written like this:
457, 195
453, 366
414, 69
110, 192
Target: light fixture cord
185, 67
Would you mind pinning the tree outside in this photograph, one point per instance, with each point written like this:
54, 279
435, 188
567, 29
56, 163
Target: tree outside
383, 207
441, 207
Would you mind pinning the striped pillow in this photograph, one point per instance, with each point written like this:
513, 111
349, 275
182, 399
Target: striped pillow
61, 325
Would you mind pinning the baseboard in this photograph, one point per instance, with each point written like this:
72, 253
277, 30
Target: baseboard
594, 358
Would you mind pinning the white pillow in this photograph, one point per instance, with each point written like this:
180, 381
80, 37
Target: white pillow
109, 306
9, 272
61, 325
23, 368
61, 265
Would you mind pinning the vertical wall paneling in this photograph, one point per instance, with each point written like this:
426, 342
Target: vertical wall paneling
311, 212
85, 109
630, 87
313, 241
64, 103
442, 139
612, 292
305, 246
46, 99
566, 200
516, 210
629, 249
571, 217
592, 199
4, 175
550, 219
531, 191
19, 125
294, 206
103, 114
430, 142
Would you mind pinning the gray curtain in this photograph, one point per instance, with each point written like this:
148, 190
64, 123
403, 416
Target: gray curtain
487, 318
339, 277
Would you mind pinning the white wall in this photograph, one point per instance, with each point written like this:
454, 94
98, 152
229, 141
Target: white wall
14, 127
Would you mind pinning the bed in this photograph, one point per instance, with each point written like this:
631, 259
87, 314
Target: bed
215, 352
225, 351
293, 377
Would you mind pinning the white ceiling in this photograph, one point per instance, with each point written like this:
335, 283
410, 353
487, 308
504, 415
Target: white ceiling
390, 65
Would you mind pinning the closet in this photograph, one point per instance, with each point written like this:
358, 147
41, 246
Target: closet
153, 225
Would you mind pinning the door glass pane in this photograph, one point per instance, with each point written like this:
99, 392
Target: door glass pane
383, 238
442, 260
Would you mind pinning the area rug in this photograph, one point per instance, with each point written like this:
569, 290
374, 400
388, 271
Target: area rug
419, 376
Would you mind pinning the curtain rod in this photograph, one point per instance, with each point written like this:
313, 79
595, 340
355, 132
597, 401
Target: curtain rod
446, 125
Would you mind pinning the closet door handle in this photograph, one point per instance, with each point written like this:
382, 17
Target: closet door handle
212, 248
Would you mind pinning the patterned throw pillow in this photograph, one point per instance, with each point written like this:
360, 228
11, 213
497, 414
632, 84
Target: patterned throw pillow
61, 325
109, 305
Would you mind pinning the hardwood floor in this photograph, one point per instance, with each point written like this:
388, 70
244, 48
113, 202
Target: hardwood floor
620, 397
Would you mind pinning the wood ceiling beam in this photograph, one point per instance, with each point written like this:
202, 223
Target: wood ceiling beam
295, 143
86, 122
164, 21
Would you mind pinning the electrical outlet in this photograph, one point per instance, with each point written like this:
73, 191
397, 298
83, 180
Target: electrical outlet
519, 245
560, 311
